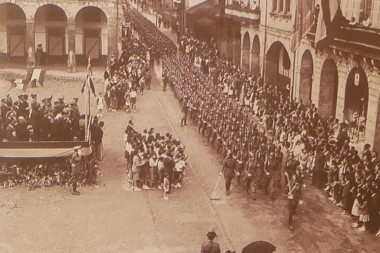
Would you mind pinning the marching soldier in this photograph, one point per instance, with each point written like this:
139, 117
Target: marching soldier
260, 161
251, 176
228, 171
269, 169
294, 194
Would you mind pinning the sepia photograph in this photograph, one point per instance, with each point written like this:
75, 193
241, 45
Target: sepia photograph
190, 126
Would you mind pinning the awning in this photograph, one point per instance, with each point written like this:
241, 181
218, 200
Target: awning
20, 150
205, 8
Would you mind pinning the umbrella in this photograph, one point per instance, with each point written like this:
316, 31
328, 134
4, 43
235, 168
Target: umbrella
259, 247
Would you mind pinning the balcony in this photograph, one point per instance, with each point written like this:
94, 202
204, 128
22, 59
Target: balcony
241, 12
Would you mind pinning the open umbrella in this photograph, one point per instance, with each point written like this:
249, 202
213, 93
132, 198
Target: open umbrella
259, 247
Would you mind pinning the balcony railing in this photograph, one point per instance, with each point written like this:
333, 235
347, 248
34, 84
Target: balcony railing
243, 12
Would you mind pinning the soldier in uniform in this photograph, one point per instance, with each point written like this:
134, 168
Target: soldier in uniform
269, 169
260, 160
250, 176
228, 171
210, 246
76, 168
279, 158
294, 194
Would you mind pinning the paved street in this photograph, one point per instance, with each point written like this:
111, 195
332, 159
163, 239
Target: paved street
111, 218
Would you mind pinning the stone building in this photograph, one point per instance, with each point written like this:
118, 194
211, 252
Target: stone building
87, 28
342, 79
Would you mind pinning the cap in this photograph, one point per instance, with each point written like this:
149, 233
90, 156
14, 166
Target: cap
211, 233
77, 147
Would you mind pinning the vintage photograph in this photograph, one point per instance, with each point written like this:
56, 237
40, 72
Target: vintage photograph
190, 126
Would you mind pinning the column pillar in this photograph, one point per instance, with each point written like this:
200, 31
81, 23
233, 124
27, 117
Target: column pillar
343, 72
71, 61
112, 39
30, 43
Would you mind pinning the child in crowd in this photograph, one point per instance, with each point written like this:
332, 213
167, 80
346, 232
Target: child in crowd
165, 186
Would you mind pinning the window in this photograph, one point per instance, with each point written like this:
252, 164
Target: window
366, 8
274, 5
287, 6
281, 6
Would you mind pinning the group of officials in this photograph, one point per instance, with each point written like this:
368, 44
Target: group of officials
32, 119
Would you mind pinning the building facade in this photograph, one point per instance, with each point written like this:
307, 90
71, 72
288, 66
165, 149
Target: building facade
83, 28
342, 80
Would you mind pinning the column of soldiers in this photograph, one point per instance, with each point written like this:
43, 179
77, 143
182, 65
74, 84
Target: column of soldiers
250, 156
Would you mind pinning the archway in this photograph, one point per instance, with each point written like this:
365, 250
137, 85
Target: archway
277, 69
306, 77
12, 30
356, 98
50, 34
236, 48
245, 52
91, 35
255, 63
328, 89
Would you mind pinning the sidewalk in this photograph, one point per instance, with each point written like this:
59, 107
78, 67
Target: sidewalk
53, 73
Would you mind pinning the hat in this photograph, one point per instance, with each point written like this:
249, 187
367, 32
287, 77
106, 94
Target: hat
211, 234
33, 95
60, 98
77, 147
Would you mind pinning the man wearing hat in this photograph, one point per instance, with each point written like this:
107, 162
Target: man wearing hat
75, 168
210, 246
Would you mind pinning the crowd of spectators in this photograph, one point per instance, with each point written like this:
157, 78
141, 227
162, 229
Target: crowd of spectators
153, 156
31, 119
130, 74
230, 105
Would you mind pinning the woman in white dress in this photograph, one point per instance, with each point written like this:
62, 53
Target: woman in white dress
100, 104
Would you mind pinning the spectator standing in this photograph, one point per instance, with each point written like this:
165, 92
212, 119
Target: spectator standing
210, 246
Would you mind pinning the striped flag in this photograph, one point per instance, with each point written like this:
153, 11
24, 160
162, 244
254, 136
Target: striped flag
90, 84
328, 21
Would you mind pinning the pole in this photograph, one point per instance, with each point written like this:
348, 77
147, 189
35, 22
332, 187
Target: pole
265, 41
89, 97
85, 111
293, 81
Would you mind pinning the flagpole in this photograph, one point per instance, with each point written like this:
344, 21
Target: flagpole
85, 112
89, 96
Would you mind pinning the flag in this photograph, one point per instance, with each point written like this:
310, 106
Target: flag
41, 79
328, 21
89, 82
304, 20
20, 84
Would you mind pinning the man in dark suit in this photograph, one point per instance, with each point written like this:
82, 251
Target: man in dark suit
374, 208
210, 246
169, 167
